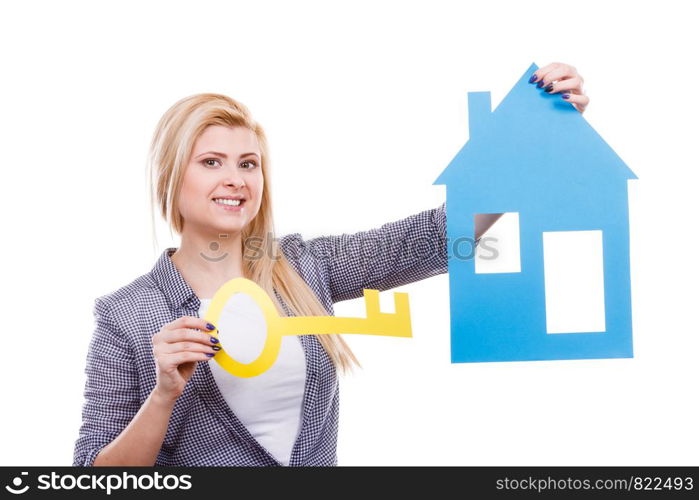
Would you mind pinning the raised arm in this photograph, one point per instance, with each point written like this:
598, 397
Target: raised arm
397, 253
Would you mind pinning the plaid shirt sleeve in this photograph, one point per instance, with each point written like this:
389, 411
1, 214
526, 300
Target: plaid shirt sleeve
395, 254
111, 390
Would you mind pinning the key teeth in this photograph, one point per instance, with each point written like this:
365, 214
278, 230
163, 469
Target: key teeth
373, 304
402, 307
400, 299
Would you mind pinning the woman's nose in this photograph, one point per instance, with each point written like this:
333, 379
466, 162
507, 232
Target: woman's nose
234, 179
237, 182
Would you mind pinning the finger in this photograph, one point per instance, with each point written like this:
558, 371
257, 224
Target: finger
554, 72
565, 72
191, 322
185, 335
552, 66
187, 347
542, 71
580, 102
573, 85
174, 360
183, 322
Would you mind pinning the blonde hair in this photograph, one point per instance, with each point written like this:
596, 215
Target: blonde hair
170, 151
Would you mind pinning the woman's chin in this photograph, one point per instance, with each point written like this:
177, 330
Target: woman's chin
230, 228
233, 225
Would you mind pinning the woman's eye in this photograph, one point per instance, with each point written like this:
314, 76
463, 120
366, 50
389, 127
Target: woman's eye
206, 162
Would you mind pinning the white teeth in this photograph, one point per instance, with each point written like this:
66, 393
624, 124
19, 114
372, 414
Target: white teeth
224, 201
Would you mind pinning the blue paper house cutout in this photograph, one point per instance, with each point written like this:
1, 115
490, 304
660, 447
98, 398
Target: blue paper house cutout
536, 155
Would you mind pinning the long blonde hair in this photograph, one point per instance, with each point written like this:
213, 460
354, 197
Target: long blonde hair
170, 150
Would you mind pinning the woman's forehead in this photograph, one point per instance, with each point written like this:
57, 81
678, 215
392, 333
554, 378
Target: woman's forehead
232, 141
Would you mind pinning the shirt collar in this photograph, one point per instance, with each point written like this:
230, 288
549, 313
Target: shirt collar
177, 291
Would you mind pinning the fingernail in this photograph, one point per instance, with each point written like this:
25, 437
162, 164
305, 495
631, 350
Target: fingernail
549, 88
540, 84
209, 326
216, 347
214, 340
210, 354
566, 96
532, 79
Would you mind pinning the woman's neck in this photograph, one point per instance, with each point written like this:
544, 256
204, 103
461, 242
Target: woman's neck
207, 263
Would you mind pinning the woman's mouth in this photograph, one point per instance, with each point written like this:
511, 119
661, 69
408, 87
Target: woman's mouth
228, 204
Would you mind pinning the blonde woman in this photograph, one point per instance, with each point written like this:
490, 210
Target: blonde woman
151, 396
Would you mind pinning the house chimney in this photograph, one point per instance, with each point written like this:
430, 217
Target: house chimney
478, 112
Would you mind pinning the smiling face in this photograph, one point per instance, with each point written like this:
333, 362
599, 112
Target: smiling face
225, 164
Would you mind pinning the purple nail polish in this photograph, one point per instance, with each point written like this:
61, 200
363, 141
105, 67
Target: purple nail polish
209, 326
532, 79
214, 340
540, 84
566, 96
210, 354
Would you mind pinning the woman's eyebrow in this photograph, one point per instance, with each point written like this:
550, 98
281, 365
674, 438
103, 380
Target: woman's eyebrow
224, 155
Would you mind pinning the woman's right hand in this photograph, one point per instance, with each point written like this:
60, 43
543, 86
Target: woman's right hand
177, 347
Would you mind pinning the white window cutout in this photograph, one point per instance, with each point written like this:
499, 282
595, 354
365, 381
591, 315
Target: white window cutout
498, 250
574, 281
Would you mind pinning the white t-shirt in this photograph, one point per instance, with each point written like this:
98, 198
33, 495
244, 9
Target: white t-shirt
270, 404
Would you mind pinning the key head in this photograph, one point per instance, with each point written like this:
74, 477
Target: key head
273, 343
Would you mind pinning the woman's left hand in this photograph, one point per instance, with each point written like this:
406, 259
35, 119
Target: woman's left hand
558, 77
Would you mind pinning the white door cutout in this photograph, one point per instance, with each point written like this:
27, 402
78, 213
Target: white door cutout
574, 281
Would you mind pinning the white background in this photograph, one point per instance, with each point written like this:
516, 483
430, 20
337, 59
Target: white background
364, 104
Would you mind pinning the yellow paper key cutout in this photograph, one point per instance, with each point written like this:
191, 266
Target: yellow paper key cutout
376, 323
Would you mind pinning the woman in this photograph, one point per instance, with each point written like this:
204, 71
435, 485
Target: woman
150, 396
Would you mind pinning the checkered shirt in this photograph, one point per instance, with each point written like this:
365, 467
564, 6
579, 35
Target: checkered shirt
203, 430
